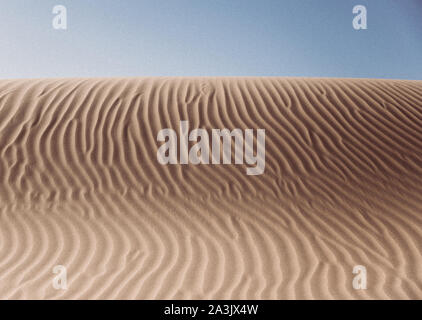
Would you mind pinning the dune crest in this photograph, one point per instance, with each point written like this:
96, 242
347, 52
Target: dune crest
82, 188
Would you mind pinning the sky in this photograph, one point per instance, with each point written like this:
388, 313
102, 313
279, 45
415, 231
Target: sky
302, 38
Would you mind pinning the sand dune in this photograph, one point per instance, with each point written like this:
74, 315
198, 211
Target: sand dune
81, 187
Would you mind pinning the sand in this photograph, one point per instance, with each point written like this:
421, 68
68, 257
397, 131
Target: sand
81, 187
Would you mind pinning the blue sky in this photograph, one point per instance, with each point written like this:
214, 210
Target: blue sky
310, 38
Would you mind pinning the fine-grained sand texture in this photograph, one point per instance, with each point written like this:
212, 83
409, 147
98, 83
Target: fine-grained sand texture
81, 187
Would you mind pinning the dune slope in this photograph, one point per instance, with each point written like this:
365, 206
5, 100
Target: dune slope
81, 187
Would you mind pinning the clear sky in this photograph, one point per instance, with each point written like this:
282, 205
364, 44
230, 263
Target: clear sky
312, 38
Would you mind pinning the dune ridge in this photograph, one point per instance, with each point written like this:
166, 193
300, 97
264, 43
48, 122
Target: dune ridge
81, 187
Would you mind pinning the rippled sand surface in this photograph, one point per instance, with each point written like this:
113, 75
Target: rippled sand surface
81, 187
